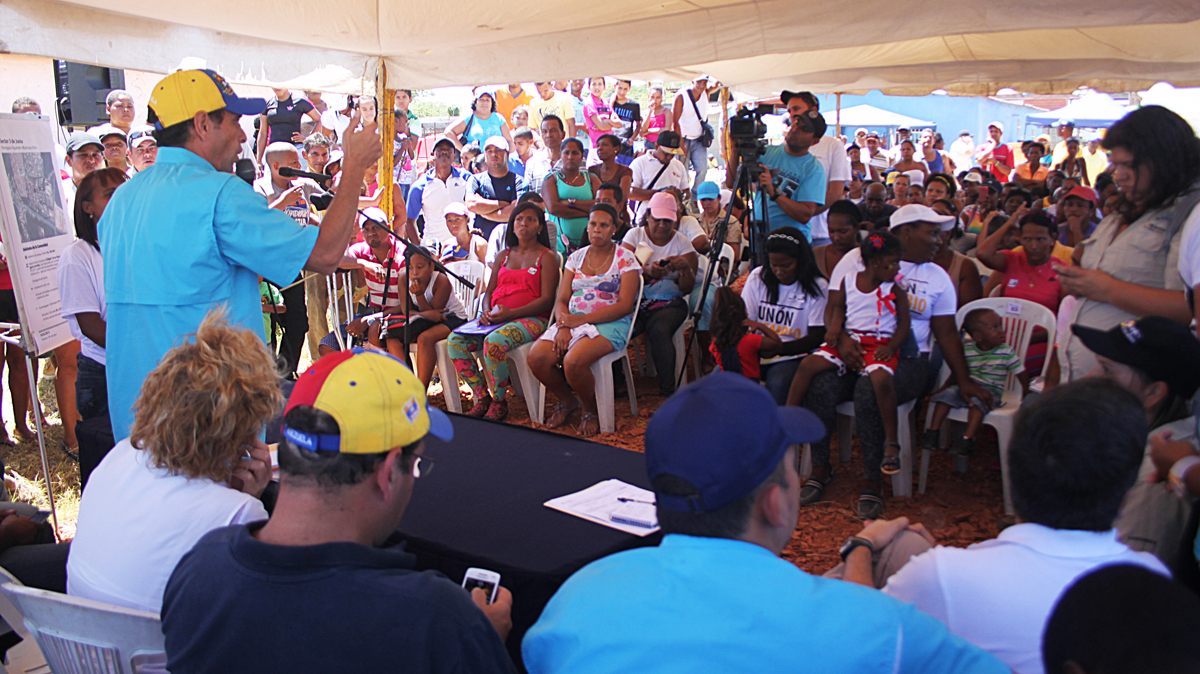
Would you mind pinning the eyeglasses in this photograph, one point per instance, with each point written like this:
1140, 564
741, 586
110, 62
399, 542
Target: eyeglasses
422, 465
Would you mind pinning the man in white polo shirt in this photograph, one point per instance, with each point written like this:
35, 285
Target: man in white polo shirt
1072, 458
444, 183
831, 154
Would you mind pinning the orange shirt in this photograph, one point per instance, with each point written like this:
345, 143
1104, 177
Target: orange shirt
1023, 171
505, 103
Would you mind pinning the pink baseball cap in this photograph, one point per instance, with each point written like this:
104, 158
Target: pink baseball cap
663, 206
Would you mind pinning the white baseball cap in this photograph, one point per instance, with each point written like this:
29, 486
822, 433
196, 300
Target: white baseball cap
497, 142
998, 125
456, 208
906, 215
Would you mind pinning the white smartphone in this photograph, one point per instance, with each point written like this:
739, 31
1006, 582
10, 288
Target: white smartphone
488, 581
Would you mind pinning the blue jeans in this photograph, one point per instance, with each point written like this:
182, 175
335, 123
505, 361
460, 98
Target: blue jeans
697, 156
778, 378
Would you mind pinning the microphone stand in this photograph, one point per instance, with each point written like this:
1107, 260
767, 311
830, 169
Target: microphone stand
411, 249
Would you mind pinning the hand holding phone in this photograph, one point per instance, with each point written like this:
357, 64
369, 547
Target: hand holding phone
488, 581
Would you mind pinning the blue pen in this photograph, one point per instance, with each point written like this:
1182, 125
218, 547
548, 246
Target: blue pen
622, 499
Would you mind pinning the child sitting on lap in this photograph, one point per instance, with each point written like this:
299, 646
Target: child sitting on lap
872, 309
734, 346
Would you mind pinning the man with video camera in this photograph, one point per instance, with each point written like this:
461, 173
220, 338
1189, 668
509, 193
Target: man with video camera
792, 182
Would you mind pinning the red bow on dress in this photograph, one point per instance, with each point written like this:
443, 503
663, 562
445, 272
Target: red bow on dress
884, 301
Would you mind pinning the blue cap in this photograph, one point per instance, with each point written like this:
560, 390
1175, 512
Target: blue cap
724, 434
708, 190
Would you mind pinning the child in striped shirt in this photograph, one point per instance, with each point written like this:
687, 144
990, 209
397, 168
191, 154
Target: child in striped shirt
989, 361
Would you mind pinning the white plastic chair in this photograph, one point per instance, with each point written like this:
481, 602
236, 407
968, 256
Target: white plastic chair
902, 481
602, 372
80, 636
1020, 318
473, 271
341, 308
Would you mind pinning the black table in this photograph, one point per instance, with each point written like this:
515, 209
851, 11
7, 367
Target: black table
482, 506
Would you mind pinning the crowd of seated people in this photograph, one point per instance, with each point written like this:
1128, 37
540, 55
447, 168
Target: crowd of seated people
855, 302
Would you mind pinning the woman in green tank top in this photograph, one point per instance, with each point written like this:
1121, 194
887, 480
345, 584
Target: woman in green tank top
570, 195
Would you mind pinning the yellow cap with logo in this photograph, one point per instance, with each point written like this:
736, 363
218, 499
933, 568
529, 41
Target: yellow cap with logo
180, 95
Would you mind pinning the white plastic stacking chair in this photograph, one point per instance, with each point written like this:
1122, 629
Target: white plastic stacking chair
473, 271
341, 305
602, 373
80, 636
1020, 318
902, 481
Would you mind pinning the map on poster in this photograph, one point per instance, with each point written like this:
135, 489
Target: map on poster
35, 226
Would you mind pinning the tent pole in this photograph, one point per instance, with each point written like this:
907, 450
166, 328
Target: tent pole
724, 98
839, 115
387, 133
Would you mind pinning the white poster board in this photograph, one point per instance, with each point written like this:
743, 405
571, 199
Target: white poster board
36, 224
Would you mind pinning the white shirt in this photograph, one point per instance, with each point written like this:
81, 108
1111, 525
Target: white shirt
666, 287
690, 228
647, 166
1189, 251
863, 311
81, 286
930, 292
790, 315
137, 521
332, 119
434, 199
998, 594
689, 125
831, 154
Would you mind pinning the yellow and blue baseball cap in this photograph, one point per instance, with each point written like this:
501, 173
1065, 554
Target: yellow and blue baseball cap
378, 403
180, 95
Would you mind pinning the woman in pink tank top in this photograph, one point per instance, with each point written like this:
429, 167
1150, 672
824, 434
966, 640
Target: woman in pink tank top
515, 311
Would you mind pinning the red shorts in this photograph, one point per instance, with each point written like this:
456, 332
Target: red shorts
869, 344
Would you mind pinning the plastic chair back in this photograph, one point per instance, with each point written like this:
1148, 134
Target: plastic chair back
473, 271
81, 636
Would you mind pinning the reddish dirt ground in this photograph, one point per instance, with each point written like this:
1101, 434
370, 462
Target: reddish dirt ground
959, 509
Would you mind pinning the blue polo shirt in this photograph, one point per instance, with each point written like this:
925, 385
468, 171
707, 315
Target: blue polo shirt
179, 239
797, 178
721, 605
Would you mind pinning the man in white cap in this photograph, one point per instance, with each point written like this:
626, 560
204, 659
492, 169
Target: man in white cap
492, 194
994, 156
219, 234
962, 150
689, 114
116, 147
143, 149
933, 302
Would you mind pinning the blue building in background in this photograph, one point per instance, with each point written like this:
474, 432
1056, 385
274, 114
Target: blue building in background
952, 114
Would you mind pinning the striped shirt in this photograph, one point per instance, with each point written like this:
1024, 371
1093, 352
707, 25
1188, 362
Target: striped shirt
990, 368
376, 282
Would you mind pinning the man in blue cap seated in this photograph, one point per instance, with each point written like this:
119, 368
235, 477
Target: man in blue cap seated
714, 596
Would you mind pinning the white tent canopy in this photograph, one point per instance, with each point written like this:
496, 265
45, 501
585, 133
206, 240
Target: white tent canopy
1092, 110
760, 47
869, 115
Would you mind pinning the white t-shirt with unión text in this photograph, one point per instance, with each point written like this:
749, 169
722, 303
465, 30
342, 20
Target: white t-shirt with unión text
930, 292
790, 315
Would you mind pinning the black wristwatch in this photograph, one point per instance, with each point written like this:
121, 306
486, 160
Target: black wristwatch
775, 197
855, 542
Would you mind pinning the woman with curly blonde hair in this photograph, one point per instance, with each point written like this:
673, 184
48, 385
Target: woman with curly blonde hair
193, 463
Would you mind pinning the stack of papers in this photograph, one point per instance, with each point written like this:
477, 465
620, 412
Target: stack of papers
614, 504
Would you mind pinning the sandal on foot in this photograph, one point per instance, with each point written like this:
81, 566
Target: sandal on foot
72, 454
560, 414
497, 411
870, 506
585, 421
482, 407
891, 462
814, 489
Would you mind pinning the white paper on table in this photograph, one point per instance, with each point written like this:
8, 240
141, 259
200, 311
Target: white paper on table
597, 502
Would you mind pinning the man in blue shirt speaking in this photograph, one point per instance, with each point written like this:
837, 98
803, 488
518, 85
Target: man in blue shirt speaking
186, 234
714, 596
793, 184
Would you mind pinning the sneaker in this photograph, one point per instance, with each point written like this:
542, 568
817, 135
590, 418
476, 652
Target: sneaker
931, 439
870, 505
814, 489
966, 447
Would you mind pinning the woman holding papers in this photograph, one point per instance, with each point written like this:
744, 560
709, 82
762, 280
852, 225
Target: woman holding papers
516, 308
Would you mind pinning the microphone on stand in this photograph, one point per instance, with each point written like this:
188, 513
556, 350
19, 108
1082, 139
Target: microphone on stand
289, 172
244, 169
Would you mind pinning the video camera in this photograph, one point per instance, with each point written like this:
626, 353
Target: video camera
748, 134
